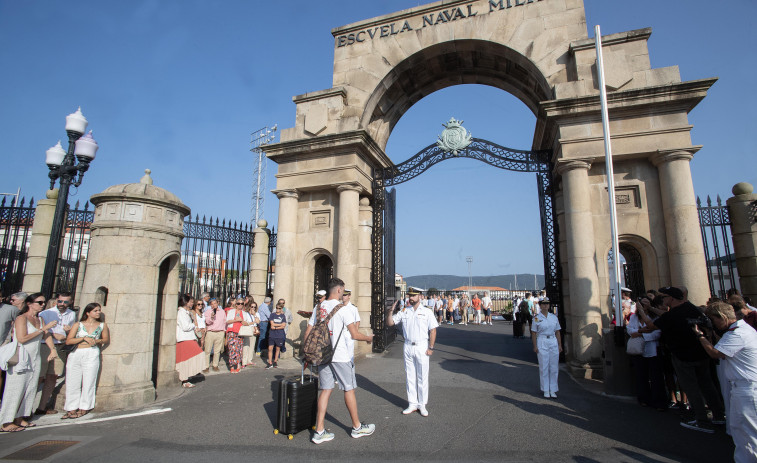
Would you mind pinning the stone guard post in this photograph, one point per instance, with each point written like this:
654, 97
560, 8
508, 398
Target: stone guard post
133, 271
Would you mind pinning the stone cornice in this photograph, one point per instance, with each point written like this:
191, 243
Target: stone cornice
177, 232
181, 208
400, 15
358, 141
321, 94
684, 95
612, 39
572, 164
679, 154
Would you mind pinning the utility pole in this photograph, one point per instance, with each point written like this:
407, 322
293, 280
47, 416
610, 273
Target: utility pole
469, 259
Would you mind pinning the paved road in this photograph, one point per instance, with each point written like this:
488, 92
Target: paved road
484, 406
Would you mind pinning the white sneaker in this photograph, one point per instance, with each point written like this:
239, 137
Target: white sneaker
363, 430
423, 411
546, 395
552, 395
321, 437
409, 410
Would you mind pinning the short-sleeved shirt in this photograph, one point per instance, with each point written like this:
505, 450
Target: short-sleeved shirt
677, 332
545, 325
344, 350
487, 302
67, 318
264, 312
416, 323
476, 303
739, 344
8, 313
278, 318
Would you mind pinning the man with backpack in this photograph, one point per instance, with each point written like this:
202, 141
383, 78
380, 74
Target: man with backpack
342, 322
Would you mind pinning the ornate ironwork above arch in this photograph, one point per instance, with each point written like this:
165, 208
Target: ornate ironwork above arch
463, 146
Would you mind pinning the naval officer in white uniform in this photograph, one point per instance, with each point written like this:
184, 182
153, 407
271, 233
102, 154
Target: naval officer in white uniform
545, 334
419, 329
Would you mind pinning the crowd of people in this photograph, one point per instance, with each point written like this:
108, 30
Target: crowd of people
701, 360
43, 345
457, 309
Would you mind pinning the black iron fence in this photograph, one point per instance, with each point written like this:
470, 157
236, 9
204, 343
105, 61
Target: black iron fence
16, 220
215, 258
74, 248
714, 222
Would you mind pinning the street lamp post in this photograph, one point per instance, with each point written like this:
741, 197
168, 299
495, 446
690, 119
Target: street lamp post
62, 166
469, 259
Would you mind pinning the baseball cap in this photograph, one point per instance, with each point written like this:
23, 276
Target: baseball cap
672, 291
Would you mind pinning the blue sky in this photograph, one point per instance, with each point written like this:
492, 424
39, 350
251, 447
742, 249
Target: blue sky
178, 86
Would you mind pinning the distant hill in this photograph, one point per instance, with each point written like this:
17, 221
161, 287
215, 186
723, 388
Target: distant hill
525, 281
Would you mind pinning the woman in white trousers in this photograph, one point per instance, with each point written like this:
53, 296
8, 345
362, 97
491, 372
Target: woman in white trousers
545, 335
83, 364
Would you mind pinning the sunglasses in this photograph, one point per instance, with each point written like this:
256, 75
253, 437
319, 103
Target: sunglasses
42, 302
240, 303
63, 302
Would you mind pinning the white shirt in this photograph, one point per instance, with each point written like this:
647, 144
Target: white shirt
200, 321
185, 327
650, 339
67, 318
344, 350
486, 302
456, 304
416, 323
545, 326
740, 348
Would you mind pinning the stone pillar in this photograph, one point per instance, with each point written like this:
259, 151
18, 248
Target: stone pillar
685, 250
365, 261
347, 247
286, 246
742, 210
39, 242
583, 333
133, 265
259, 262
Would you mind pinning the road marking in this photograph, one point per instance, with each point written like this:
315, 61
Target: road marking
99, 420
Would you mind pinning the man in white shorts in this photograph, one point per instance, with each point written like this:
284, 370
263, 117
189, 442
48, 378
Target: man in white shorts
344, 332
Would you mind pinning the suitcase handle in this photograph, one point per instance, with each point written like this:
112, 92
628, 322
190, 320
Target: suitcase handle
302, 375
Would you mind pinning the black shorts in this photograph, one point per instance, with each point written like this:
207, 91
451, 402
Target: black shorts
278, 342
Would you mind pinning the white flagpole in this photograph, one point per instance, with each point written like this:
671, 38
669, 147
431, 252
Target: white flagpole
610, 176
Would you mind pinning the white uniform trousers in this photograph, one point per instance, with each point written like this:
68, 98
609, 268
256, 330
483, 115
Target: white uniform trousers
549, 356
742, 417
81, 378
416, 369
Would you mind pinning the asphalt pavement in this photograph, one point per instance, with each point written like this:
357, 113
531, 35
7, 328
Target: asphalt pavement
485, 405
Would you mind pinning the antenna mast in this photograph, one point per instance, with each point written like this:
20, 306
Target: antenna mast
258, 140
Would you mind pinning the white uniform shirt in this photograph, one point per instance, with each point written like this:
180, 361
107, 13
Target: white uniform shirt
739, 344
53, 314
344, 351
416, 323
545, 326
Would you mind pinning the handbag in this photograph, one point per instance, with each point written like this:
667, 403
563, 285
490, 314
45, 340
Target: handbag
14, 347
246, 331
635, 346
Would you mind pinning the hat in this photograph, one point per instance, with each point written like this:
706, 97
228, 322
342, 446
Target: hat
321, 293
625, 290
544, 300
412, 292
672, 291
347, 292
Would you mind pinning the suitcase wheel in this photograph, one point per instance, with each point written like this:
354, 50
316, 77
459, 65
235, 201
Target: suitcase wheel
290, 437
313, 427
275, 431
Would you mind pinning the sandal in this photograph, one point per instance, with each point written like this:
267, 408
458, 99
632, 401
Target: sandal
68, 415
12, 428
187, 385
82, 413
29, 425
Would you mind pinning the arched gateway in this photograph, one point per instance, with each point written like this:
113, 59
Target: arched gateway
539, 51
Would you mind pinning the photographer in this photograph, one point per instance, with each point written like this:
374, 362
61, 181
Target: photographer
737, 350
691, 363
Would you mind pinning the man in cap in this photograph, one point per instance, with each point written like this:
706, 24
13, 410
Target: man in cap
419, 329
690, 361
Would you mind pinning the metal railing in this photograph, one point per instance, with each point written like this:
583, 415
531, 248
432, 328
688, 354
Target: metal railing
74, 248
215, 258
16, 220
714, 223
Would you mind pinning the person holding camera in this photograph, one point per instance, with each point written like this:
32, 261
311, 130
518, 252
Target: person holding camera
690, 361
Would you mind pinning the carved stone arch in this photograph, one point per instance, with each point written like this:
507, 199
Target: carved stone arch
308, 265
446, 64
647, 252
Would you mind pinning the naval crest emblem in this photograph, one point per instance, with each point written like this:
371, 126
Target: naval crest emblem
454, 137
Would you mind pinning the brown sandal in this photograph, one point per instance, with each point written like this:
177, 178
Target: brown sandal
68, 415
12, 428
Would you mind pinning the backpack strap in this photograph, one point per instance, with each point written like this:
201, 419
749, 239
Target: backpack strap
336, 309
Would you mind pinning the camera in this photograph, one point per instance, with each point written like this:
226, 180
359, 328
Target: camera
702, 321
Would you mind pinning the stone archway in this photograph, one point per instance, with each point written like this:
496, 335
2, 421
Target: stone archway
540, 52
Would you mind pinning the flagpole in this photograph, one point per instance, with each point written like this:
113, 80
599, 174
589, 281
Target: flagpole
610, 176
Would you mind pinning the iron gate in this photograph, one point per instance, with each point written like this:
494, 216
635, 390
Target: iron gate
382, 277
714, 223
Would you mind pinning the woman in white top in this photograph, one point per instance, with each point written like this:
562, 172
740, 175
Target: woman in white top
83, 364
21, 379
190, 359
545, 334
250, 317
199, 320
650, 383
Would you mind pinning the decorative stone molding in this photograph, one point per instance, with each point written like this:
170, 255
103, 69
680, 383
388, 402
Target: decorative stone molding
281, 194
564, 166
349, 187
663, 156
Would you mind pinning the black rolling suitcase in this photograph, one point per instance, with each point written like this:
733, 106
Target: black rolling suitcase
517, 329
298, 403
